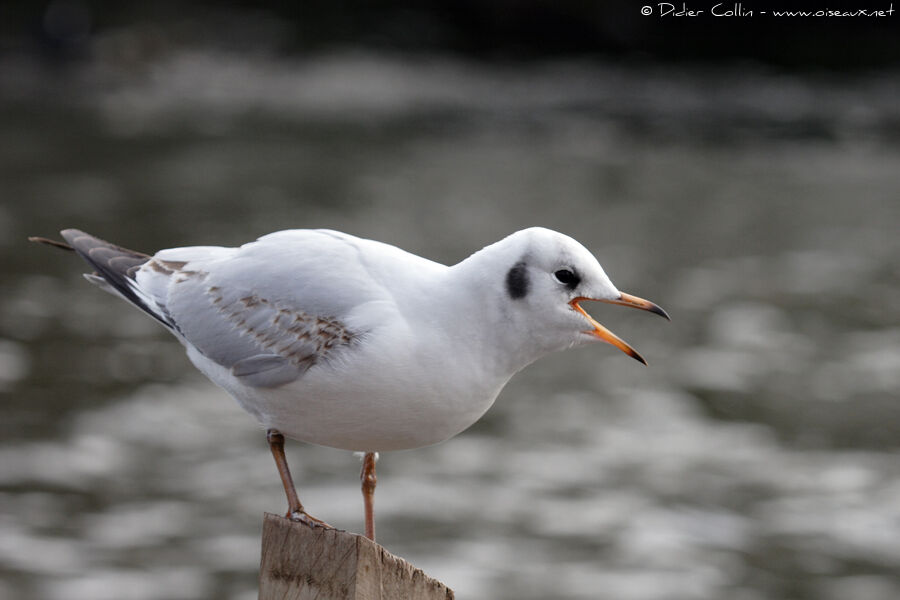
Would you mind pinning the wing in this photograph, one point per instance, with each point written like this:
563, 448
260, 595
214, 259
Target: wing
269, 310
115, 268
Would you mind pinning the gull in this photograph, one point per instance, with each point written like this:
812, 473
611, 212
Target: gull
356, 344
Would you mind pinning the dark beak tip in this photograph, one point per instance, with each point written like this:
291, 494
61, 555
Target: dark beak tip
662, 313
638, 357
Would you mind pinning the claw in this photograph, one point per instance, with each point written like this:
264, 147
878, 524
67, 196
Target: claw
300, 516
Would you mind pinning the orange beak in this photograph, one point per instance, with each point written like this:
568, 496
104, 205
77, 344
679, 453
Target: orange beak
608, 336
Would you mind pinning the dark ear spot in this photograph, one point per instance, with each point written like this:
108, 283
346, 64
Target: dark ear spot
517, 281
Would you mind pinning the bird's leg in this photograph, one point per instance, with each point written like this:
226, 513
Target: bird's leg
276, 445
295, 512
367, 476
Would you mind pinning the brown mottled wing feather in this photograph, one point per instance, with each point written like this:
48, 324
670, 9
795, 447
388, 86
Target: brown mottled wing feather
264, 342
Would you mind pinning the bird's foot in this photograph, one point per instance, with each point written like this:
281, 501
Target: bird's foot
301, 516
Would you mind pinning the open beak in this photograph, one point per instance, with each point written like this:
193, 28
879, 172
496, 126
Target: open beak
608, 336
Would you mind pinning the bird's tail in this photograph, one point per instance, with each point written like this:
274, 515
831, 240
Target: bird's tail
115, 267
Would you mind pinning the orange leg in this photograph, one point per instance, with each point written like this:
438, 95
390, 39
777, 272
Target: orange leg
367, 476
295, 512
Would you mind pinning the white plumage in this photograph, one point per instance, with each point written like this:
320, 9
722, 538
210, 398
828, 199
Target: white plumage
356, 344
346, 342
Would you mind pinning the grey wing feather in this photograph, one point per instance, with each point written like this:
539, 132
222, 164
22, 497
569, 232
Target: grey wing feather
265, 370
103, 284
265, 342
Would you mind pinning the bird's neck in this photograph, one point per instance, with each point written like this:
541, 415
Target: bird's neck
491, 330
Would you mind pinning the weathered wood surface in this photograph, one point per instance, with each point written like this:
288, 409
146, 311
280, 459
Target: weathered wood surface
302, 563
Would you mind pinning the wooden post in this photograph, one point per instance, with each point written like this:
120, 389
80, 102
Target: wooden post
301, 563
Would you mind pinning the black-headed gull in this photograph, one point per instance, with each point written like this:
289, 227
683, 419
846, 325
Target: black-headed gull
346, 342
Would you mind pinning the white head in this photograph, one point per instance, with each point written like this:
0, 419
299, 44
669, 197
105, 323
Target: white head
544, 276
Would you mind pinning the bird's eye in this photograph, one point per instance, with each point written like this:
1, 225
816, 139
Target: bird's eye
567, 278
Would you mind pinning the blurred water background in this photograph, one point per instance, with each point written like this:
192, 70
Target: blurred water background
757, 457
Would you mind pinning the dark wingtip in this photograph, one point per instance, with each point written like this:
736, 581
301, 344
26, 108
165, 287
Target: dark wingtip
49, 242
71, 234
